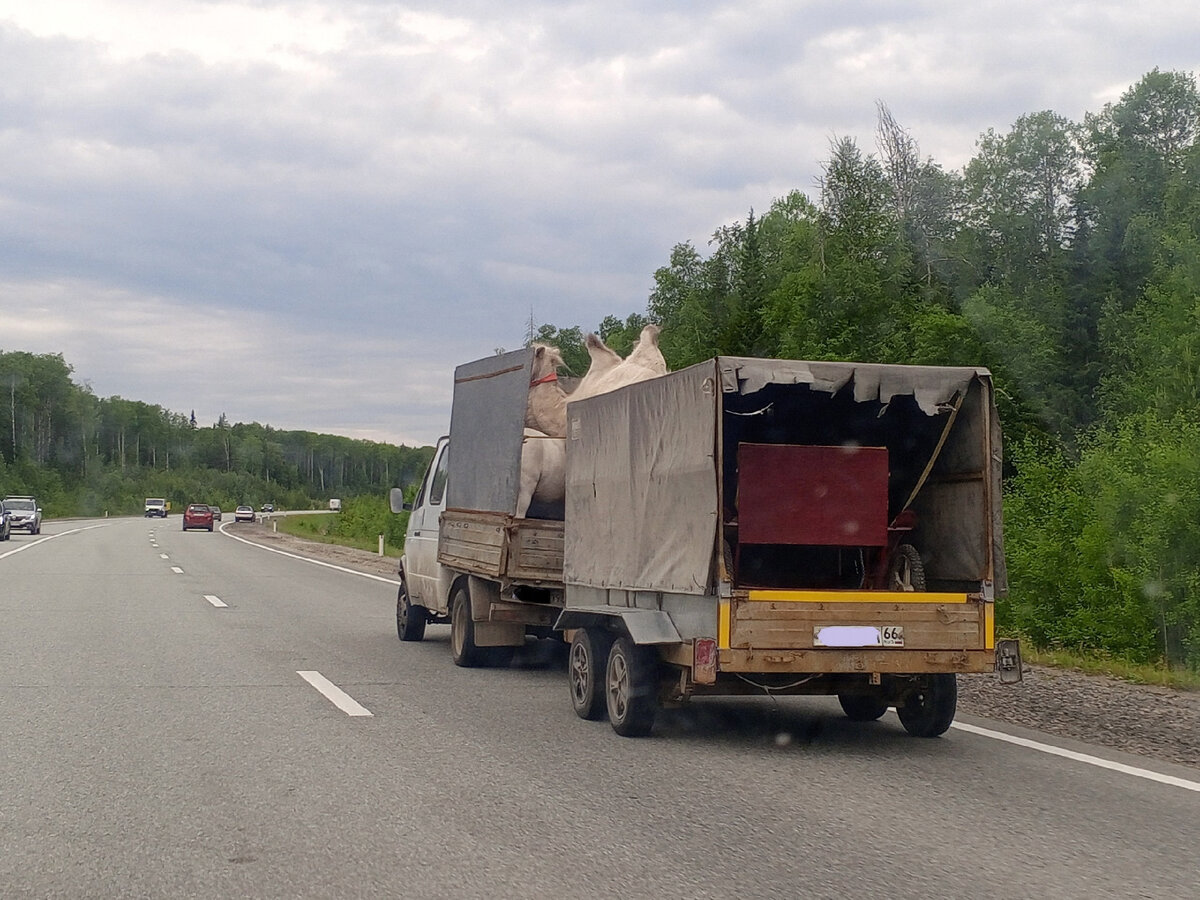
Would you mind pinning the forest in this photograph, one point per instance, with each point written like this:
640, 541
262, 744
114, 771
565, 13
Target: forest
82, 455
1065, 257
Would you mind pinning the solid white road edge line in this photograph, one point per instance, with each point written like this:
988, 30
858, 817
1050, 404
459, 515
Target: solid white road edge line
315, 562
1079, 757
51, 537
216, 601
335, 694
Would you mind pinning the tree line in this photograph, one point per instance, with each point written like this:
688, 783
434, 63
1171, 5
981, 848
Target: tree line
85, 455
1064, 256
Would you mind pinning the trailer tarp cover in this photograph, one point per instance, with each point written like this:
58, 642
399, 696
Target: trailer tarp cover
642, 506
644, 468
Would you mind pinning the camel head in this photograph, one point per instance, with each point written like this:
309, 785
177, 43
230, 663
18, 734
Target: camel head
547, 360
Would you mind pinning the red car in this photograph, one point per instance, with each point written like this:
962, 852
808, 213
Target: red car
197, 515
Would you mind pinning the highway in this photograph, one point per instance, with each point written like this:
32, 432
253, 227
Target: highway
160, 740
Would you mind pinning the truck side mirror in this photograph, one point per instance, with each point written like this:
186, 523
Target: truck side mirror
396, 500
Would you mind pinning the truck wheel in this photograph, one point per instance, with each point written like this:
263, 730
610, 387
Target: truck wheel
410, 618
862, 707
631, 688
929, 710
585, 672
462, 631
906, 572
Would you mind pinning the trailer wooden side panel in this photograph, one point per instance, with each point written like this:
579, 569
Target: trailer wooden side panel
794, 625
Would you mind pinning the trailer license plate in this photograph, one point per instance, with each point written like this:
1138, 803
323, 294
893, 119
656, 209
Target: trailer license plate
858, 636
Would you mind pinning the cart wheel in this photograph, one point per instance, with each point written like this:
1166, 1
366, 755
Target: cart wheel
862, 707
929, 710
585, 671
410, 618
631, 688
906, 572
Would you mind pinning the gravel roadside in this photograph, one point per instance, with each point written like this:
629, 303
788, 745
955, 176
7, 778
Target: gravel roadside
1160, 723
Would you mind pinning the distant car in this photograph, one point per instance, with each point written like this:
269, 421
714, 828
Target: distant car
5, 528
197, 515
216, 511
24, 513
243, 514
268, 507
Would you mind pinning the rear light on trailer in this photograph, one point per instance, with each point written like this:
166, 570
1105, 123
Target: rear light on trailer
704, 661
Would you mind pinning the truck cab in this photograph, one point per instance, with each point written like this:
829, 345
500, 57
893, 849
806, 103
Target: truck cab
425, 579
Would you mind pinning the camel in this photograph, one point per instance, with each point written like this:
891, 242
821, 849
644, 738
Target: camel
543, 450
546, 408
645, 361
543, 475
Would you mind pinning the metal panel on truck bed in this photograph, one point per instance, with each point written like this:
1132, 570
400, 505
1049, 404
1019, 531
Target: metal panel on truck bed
487, 426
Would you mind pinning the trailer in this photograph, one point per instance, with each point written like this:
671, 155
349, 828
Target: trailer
785, 527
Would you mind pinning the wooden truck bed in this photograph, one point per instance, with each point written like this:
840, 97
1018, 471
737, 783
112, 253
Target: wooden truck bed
502, 547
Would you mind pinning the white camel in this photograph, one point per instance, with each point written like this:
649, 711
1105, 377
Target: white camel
644, 362
543, 451
546, 408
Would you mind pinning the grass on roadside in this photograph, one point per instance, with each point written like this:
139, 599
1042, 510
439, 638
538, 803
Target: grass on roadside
316, 528
1094, 663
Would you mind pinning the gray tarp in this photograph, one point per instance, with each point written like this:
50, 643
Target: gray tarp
642, 505
644, 470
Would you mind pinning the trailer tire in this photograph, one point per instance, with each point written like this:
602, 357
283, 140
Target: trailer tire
928, 711
862, 707
631, 688
587, 662
410, 617
906, 572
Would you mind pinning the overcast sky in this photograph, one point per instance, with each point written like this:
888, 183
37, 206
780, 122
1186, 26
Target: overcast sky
305, 214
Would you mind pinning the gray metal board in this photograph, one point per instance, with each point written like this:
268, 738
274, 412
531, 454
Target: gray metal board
487, 424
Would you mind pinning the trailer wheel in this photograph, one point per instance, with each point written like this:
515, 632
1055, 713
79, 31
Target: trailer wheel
862, 707
462, 631
631, 688
410, 617
929, 710
587, 661
906, 572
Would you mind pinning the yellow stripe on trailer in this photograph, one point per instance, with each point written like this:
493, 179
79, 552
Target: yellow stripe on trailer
989, 626
855, 597
723, 626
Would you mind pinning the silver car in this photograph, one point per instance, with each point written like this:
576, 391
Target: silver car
24, 513
5, 527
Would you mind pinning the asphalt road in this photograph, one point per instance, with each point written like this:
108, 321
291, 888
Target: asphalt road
159, 744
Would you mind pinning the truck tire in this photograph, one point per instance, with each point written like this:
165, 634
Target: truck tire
586, 664
631, 688
929, 710
462, 637
862, 707
906, 572
462, 631
410, 618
